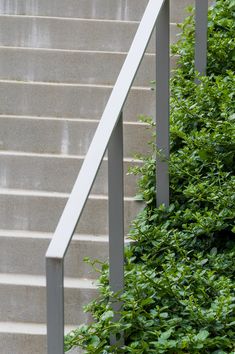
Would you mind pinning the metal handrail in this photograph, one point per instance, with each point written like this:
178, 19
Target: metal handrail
109, 135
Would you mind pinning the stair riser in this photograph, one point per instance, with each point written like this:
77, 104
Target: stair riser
33, 250
69, 101
39, 213
63, 137
55, 174
70, 67
70, 34
22, 303
127, 10
18, 343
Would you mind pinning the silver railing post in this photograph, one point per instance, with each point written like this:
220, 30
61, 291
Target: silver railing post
55, 306
201, 20
162, 105
116, 213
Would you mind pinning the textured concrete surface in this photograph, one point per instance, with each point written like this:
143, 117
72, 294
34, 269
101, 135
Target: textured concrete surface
94, 68
55, 173
32, 246
23, 299
127, 10
54, 136
70, 101
38, 211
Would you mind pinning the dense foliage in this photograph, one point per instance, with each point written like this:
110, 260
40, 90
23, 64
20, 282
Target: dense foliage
180, 271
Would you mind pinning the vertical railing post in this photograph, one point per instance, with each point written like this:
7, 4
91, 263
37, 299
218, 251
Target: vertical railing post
55, 305
201, 21
116, 213
162, 105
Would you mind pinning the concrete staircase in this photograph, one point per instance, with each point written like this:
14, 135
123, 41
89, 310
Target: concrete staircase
58, 62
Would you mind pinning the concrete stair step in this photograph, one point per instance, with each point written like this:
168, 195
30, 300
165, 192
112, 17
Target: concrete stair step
21, 338
31, 247
67, 137
126, 10
84, 67
40, 211
70, 101
27, 338
61, 33
102, 9
59, 66
23, 298
55, 173
72, 34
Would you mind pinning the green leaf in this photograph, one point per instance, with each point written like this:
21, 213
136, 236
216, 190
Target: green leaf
204, 261
202, 335
166, 335
107, 315
203, 154
163, 315
94, 341
232, 4
139, 197
213, 251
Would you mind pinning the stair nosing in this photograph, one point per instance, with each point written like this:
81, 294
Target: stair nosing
67, 84
64, 119
13, 279
84, 51
56, 156
27, 328
78, 19
48, 236
46, 194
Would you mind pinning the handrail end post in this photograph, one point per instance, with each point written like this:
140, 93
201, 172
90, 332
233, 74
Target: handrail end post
55, 305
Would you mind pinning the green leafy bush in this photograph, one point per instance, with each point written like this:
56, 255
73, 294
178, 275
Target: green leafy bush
180, 271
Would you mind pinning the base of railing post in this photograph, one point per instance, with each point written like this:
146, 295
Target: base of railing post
55, 306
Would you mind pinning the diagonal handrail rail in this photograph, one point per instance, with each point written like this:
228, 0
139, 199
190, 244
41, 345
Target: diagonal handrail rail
99, 144
109, 134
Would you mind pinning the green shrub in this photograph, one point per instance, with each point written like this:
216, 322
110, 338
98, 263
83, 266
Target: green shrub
180, 271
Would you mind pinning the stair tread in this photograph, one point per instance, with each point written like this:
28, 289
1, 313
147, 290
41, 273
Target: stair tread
64, 119
22, 328
15, 153
80, 19
48, 235
38, 193
45, 32
71, 51
40, 281
27, 328
115, 9
67, 84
